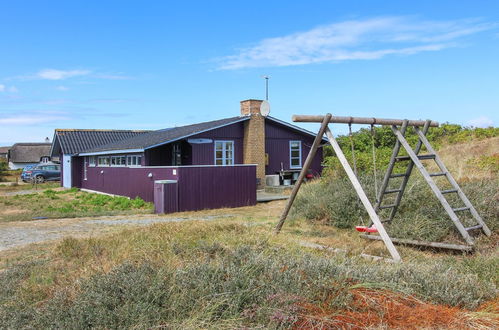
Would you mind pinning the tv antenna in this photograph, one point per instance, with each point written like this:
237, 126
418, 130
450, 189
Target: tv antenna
266, 87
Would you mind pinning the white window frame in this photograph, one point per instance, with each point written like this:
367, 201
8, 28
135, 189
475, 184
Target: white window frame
102, 157
291, 166
91, 161
85, 165
121, 157
224, 150
131, 159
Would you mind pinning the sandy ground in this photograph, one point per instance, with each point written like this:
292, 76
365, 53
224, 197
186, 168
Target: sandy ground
18, 234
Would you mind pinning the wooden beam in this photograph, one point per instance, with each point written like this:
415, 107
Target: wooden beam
361, 120
303, 172
363, 197
459, 247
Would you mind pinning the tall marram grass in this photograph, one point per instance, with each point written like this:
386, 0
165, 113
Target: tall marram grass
262, 285
334, 201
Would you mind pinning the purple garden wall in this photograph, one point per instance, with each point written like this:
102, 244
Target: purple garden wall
216, 187
199, 187
126, 181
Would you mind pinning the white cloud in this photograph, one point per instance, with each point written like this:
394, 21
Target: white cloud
353, 40
30, 119
8, 89
482, 122
53, 74
113, 76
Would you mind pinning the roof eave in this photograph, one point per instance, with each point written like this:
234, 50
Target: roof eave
111, 152
297, 128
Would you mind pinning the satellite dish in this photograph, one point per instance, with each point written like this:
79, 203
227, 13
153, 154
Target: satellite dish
265, 108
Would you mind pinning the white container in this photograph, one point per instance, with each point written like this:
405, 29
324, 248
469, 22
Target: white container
272, 180
287, 182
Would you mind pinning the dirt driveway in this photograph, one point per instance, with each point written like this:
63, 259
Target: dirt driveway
22, 233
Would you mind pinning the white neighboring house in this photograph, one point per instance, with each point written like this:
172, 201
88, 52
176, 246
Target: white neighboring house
22, 154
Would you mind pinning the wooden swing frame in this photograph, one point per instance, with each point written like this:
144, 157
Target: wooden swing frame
413, 158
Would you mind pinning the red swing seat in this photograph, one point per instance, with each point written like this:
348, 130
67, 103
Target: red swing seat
365, 229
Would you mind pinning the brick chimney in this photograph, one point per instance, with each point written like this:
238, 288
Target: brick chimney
254, 138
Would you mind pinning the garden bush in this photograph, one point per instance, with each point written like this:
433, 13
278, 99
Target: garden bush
334, 201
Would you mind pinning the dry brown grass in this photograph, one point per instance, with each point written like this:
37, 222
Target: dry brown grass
457, 158
375, 308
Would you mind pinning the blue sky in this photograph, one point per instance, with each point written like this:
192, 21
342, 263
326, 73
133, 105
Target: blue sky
157, 64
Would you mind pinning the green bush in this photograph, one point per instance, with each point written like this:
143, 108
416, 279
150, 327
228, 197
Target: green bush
3, 170
420, 215
384, 140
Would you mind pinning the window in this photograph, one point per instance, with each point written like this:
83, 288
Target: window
176, 155
294, 154
85, 169
118, 160
224, 152
134, 160
103, 161
91, 161
45, 159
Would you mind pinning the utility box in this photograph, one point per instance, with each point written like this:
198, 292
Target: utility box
272, 180
165, 196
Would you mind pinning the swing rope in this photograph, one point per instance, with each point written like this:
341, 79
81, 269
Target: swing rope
373, 133
353, 149
371, 229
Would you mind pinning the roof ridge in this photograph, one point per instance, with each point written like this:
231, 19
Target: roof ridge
100, 130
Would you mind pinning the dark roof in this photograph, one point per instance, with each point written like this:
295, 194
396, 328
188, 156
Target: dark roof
28, 152
4, 150
73, 141
164, 136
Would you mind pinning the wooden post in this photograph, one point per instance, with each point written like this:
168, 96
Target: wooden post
360, 120
306, 166
363, 197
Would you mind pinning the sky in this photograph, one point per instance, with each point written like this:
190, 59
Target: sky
158, 64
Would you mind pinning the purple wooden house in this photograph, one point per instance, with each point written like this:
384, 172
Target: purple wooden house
212, 164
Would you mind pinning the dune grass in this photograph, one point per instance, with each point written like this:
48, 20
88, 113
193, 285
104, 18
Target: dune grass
226, 274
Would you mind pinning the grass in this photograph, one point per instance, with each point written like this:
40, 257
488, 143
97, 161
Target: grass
420, 215
27, 186
52, 203
234, 273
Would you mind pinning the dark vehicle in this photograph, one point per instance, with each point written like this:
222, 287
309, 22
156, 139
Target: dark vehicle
44, 172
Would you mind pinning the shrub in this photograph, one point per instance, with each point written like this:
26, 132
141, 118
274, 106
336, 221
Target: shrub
3, 169
260, 286
420, 215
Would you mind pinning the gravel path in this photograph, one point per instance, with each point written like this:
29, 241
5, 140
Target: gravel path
19, 234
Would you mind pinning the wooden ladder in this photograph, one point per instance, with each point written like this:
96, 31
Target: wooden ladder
415, 158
